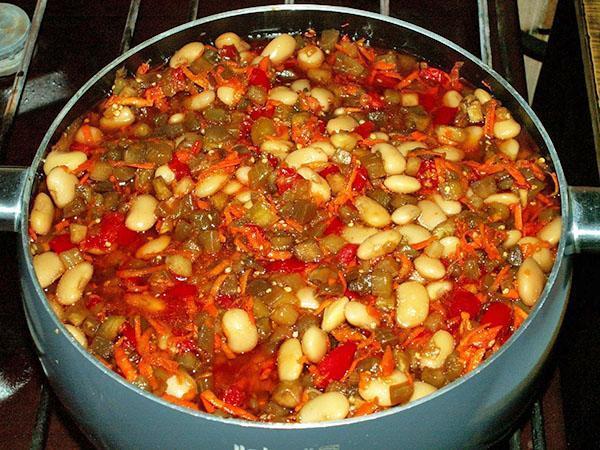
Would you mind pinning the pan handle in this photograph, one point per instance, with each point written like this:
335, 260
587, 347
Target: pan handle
585, 224
12, 183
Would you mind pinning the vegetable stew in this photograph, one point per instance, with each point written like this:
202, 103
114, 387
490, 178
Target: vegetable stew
298, 230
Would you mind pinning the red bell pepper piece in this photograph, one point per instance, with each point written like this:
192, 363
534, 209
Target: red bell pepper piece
128, 333
180, 169
336, 363
444, 115
259, 77
463, 301
497, 314
365, 129
427, 174
112, 231
347, 254
361, 180
233, 395
286, 179
434, 75
224, 301
329, 170
229, 52
181, 290
286, 266
262, 111
335, 226
61, 243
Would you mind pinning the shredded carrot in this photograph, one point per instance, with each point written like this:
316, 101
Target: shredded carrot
125, 366
490, 118
214, 290
365, 409
180, 402
421, 245
62, 225
518, 213
408, 79
209, 397
499, 278
148, 165
387, 362
220, 267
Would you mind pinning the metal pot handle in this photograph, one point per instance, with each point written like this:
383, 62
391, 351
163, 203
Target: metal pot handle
12, 183
584, 228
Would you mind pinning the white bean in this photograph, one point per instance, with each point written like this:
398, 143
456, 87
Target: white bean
176, 118
405, 214
153, 247
232, 187
181, 385
393, 161
200, 101
437, 289
452, 98
551, 231
179, 265
228, 95
381, 136
431, 214
512, 237
289, 360
310, 57
429, 268
186, 54
358, 234
357, 314
324, 146
345, 141
482, 96
283, 95
307, 298
530, 281
141, 215
276, 147
473, 139
341, 123
402, 184
323, 96
89, 135
314, 344
450, 153
371, 212
333, 315
61, 185
510, 147
165, 172
505, 198
451, 244
77, 334
48, 268
241, 333
414, 233
406, 147
230, 38
242, 175
210, 185
378, 389
319, 188
183, 186
437, 350
449, 207
506, 129
305, 156
421, 389
117, 116
280, 48
71, 285
301, 85
325, 407
379, 244
71, 160
412, 304
42, 214
545, 259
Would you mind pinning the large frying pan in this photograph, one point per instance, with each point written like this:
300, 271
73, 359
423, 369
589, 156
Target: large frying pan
473, 411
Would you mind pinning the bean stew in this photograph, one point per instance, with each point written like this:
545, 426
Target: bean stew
298, 230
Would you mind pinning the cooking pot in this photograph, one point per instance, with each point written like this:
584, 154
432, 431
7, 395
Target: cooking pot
473, 411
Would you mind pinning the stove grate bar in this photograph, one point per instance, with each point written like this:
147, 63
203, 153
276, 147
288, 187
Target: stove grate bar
40, 428
132, 15
14, 98
193, 14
